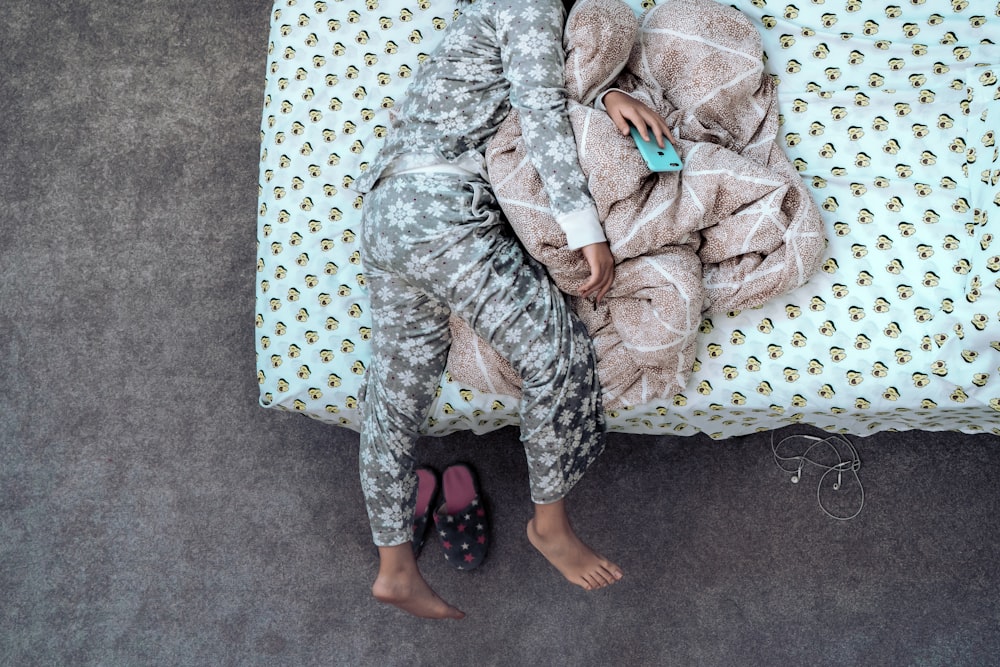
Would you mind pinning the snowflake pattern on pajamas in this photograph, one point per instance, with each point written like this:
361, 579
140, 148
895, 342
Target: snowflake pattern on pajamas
499, 55
436, 244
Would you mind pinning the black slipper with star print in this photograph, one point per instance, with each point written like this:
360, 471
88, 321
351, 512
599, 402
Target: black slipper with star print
461, 520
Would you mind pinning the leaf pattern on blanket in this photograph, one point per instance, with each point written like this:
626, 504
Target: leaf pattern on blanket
735, 228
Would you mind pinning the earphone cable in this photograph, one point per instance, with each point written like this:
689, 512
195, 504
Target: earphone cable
850, 465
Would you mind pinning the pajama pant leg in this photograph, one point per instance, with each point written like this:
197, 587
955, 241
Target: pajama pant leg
410, 338
435, 244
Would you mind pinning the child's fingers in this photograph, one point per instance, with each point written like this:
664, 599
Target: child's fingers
621, 123
604, 290
602, 270
640, 124
598, 285
659, 127
648, 122
626, 116
670, 136
593, 283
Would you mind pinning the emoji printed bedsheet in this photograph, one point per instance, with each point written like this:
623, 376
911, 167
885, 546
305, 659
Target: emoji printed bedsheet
887, 110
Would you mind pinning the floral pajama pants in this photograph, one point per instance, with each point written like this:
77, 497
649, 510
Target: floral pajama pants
435, 244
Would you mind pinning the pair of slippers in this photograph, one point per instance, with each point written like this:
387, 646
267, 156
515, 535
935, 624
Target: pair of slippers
460, 519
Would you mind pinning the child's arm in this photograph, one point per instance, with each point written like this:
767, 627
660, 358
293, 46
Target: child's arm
530, 38
625, 109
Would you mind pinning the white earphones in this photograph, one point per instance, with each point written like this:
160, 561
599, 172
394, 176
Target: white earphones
851, 465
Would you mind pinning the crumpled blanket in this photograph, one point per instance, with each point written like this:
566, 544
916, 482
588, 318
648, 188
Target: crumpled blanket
735, 228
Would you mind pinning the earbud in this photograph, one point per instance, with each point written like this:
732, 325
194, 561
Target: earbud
798, 475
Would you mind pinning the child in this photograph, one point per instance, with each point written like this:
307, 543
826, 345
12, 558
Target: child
434, 244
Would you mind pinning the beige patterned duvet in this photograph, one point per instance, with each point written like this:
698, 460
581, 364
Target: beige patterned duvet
736, 228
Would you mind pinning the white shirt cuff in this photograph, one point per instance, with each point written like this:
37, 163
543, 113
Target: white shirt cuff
582, 227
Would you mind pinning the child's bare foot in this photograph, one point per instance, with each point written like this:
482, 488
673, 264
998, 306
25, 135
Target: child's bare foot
400, 583
550, 532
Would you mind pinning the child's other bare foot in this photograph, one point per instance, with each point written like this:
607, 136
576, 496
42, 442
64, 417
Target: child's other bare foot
550, 532
400, 583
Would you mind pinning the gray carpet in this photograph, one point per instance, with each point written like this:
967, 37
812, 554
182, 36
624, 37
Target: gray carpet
152, 514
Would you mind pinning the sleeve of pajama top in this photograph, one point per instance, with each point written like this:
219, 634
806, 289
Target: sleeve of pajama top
530, 39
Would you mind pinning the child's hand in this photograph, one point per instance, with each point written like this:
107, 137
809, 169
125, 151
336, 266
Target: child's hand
625, 109
602, 270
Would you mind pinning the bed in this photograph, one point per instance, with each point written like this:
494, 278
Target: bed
888, 113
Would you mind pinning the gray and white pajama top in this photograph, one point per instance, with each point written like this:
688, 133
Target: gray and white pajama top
497, 56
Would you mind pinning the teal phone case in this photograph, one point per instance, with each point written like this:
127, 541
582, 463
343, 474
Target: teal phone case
658, 159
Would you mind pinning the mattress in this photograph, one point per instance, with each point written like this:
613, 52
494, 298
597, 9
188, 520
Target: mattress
888, 111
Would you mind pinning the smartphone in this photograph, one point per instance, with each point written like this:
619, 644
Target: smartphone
658, 159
